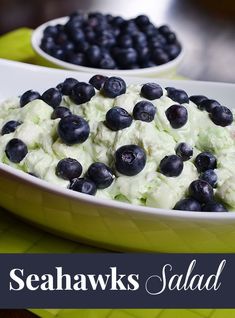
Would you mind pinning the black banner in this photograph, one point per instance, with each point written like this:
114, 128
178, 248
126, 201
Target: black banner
117, 280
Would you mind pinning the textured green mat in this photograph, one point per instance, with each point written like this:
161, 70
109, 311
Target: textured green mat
138, 313
16, 46
18, 237
135, 313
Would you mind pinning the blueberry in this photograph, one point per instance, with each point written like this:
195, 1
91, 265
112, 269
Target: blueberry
130, 160
157, 48
171, 166
209, 105
47, 44
67, 85
68, 169
71, 25
97, 81
76, 34
201, 190
93, 21
198, 99
188, 204
58, 53
76, 58
16, 150
78, 16
125, 41
151, 91
82, 93
61, 38
60, 27
106, 39
160, 57
118, 118
107, 62
93, 54
173, 50
82, 47
170, 37
177, 95
100, 174
139, 40
184, 151
214, 206
96, 19
73, 129
10, 127
209, 176
205, 161
221, 116
144, 111
142, 20
164, 29
147, 26
150, 30
113, 87
161, 39
129, 27
148, 64
118, 21
50, 30
83, 185
105, 53
28, 97
52, 97
116, 32
177, 116
68, 46
101, 34
60, 112
126, 57
47, 39
143, 54
90, 35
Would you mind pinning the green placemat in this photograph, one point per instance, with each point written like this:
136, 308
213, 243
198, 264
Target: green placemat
16, 46
18, 237
138, 313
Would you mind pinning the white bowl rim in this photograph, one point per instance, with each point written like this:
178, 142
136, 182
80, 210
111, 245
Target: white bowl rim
36, 36
152, 211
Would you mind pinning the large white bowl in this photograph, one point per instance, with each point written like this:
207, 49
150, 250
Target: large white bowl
107, 223
165, 70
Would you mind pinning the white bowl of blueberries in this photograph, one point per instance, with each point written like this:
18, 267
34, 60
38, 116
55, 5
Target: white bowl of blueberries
96, 42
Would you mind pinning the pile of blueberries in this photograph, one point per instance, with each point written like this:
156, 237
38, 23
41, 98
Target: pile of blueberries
110, 42
131, 159
200, 192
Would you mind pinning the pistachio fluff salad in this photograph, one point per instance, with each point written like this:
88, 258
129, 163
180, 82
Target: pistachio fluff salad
142, 144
